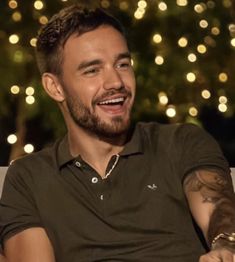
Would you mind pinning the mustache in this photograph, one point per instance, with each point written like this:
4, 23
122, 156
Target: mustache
121, 91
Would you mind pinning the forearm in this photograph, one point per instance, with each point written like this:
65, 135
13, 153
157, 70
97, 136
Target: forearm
223, 221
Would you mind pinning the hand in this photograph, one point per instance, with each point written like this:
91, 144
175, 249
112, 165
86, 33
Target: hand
219, 255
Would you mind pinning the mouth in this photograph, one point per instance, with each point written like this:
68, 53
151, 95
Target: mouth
112, 102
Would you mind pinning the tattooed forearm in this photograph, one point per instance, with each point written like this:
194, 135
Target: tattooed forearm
214, 188
210, 183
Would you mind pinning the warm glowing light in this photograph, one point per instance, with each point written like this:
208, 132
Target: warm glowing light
227, 3
201, 49
142, 4
162, 6
38, 5
163, 99
12, 139
124, 5
222, 108
29, 100
171, 112
29, 91
159, 60
223, 77
223, 100
233, 42
181, 2
215, 30
15, 89
203, 23
157, 38
231, 28
33, 42
43, 20
16, 16
192, 58
191, 77
138, 14
29, 148
199, 8
12, 4
193, 111
182, 42
14, 39
105, 3
206, 94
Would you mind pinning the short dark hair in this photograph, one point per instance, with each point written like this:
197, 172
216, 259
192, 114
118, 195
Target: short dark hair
53, 36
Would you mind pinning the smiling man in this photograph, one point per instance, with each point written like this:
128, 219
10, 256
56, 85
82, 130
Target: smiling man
106, 191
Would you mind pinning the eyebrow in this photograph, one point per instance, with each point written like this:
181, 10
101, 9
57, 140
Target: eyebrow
86, 64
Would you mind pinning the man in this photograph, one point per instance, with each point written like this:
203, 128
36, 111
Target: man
108, 192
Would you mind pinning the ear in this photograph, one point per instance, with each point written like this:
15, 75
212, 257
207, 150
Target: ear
53, 87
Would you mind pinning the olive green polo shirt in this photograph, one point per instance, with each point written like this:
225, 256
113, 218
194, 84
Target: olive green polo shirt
138, 213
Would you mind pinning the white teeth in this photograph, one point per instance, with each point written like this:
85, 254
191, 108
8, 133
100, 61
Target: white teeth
117, 100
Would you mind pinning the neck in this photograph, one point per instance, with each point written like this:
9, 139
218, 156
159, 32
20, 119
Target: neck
94, 150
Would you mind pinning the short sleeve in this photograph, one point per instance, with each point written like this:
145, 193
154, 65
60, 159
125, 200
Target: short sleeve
198, 149
18, 210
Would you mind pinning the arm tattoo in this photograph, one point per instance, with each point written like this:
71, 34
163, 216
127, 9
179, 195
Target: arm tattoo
216, 188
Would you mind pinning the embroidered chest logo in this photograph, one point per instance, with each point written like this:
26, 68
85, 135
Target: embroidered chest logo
152, 187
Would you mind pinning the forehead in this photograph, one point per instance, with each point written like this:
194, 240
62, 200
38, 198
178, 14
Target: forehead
104, 40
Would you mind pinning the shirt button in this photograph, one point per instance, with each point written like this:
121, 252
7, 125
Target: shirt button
102, 197
78, 164
94, 180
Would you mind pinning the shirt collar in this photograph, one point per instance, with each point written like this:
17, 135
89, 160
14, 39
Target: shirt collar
134, 145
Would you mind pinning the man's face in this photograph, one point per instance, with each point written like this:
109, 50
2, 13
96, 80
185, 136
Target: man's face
98, 81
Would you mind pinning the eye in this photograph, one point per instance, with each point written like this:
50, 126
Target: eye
124, 64
91, 71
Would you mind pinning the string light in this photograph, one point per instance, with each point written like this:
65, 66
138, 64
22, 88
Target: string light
12, 4
105, 3
200, 8
201, 49
192, 58
191, 77
223, 77
227, 3
15, 89
157, 38
29, 91
183, 42
203, 23
30, 100
43, 20
163, 99
182, 2
222, 108
206, 94
162, 6
233, 42
12, 139
123, 5
193, 111
38, 5
33, 42
28, 148
14, 39
223, 100
142, 4
171, 111
159, 60
16, 16
215, 30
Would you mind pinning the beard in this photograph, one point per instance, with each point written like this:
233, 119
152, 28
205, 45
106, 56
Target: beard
91, 122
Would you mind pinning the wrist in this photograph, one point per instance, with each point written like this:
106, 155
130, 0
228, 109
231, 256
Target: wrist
224, 240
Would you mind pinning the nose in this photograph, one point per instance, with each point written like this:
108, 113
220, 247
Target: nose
113, 79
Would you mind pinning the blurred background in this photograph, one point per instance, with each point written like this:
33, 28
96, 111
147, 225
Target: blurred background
183, 56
